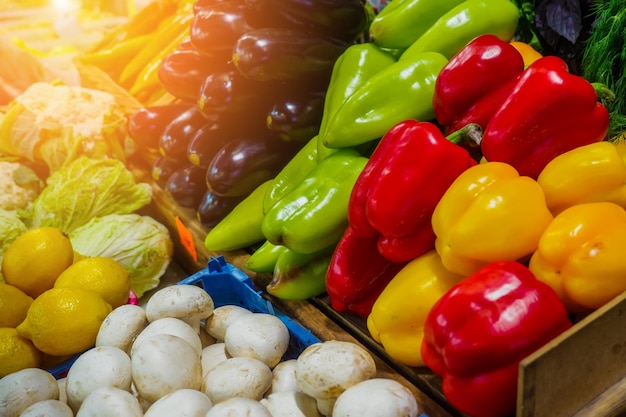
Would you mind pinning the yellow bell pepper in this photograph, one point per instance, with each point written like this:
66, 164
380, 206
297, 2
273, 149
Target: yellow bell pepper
590, 173
581, 255
489, 213
397, 317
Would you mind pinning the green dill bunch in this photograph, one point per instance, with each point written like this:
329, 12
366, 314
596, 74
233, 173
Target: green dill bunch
604, 59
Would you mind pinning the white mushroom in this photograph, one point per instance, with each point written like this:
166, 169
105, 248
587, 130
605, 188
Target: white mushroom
324, 370
61, 382
173, 326
237, 377
121, 326
206, 338
212, 356
284, 377
374, 398
48, 408
292, 404
164, 363
23, 388
221, 318
238, 406
258, 335
187, 302
181, 403
110, 402
98, 367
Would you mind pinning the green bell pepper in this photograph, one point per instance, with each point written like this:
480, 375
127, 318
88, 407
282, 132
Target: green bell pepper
314, 214
403, 90
242, 226
292, 173
300, 276
353, 68
470, 19
401, 22
264, 258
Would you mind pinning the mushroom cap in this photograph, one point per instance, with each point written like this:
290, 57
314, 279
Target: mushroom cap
376, 397
187, 302
239, 406
324, 370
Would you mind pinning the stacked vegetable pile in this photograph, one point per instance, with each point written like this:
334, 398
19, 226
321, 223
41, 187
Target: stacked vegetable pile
182, 355
250, 80
72, 243
406, 209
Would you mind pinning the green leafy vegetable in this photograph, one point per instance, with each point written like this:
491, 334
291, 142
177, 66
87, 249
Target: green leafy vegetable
11, 227
140, 243
87, 188
604, 59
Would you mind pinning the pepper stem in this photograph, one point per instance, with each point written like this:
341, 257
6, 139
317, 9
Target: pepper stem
471, 133
603, 92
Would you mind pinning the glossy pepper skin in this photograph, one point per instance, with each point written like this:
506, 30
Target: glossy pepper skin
313, 215
493, 65
581, 255
489, 213
357, 64
298, 276
550, 111
589, 173
404, 179
398, 315
402, 22
241, 227
478, 332
292, 173
403, 90
357, 274
469, 19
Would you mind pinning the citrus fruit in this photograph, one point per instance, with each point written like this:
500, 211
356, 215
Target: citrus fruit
64, 321
13, 305
16, 352
36, 258
103, 275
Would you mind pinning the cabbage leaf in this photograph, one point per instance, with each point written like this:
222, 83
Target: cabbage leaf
139, 243
11, 227
87, 188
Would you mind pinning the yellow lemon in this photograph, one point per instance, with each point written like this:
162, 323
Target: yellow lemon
103, 275
36, 258
78, 257
16, 352
13, 305
64, 321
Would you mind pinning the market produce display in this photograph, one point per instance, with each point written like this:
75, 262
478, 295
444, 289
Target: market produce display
183, 352
265, 63
447, 176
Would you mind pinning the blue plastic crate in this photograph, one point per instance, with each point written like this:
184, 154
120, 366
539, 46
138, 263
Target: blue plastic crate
227, 284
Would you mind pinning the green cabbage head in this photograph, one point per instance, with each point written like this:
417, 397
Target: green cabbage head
140, 243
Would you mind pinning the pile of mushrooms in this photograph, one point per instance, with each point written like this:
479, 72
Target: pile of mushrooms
180, 356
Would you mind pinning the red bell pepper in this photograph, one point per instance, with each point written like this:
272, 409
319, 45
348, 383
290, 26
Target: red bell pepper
358, 273
549, 112
404, 179
478, 332
493, 66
